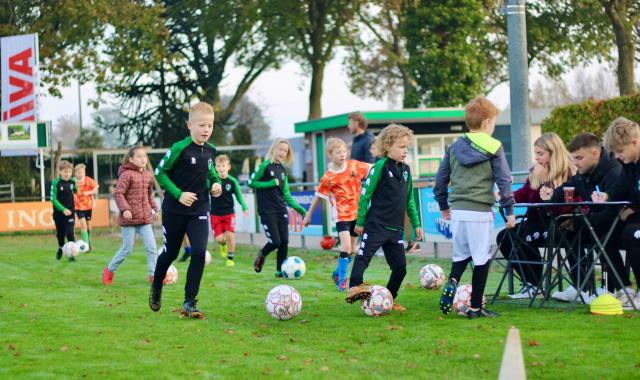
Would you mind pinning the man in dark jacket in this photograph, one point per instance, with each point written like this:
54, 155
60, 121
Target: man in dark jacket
362, 140
598, 171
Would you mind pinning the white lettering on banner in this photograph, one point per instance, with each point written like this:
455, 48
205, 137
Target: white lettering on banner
10, 223
433, 207
31, 218
300, 199
19, 77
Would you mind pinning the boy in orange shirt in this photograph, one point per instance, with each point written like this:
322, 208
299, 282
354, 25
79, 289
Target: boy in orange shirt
341, 185
84, 201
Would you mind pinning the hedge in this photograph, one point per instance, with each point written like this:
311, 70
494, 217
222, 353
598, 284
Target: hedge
591, 116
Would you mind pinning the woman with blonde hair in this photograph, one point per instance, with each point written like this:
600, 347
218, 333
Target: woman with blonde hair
552, 168
272, 194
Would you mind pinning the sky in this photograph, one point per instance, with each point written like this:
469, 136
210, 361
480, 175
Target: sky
283, 95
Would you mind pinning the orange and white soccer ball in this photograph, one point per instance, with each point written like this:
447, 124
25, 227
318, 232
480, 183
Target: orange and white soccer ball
283, 302
172, 276
431, 276
380, 302
462, 299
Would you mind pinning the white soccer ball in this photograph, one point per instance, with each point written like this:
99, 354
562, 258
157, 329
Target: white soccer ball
172, 275
207, 258
431, 276
82, 246
283, 302
70, 249
293, 268
380, 303
462, 299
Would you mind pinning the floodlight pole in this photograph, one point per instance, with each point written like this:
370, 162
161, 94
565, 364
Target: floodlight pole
79, 106
519, 85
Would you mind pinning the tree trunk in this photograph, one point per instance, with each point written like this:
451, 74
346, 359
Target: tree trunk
410, 98
315, 94
623, 29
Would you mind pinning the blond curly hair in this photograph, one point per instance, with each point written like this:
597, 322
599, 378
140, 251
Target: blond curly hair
620, 133
389, 135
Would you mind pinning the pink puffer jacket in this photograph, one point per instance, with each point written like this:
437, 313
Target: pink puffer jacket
134, 192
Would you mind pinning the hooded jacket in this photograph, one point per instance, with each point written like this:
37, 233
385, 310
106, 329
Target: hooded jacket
134, 192
472, 164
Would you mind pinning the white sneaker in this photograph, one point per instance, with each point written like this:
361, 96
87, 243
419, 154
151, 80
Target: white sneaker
526, 291
569, 295
622, 297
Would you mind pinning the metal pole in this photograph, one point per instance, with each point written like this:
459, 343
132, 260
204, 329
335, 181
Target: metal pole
41, 158
519, 85
79, 106
95, 167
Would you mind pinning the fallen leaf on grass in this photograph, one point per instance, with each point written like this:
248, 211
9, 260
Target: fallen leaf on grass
352, 360
324, 368
24, 305
283, 357
245, 354
342, 350
307, 361
533, 343
391, 327
304, 321
64, 348
180, 346
637, 365
442, 343
17, 354
537, 364
229, 331
146, 341
476, 356
11, 347
439, 319
410, 365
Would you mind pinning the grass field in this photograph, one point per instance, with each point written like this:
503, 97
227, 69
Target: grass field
58, 321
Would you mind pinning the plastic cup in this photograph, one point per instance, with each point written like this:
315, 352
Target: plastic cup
569, 193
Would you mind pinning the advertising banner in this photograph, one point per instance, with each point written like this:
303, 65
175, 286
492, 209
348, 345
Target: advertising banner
19, 68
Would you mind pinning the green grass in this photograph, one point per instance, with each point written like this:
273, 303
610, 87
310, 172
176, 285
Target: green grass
58, 321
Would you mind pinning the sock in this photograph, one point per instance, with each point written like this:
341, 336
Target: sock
343, 255
223, 249
478, 282
89, 238
187, 250
84, 235
229, 255
457, 268
343, 268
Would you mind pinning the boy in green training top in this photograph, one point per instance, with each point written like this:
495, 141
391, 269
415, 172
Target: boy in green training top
187, 173
63, 189
385, 197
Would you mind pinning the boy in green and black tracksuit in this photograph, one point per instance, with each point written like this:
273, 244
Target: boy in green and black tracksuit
187, 174
62, 190
273, 195
386, 195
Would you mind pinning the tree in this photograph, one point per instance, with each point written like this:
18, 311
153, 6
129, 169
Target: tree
73, 34
624, 16
584, 86
89, 138
66, 130
249, 115
202, 40
316, 28
377, 64
446, 50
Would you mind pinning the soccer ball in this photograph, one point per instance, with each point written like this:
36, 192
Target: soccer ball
431, 276
293, 268
207, 258
380, 302
82, 246
327, 242
70, 249
462, 299
283, 302
172, 276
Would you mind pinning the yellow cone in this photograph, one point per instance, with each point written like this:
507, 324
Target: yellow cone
606, 304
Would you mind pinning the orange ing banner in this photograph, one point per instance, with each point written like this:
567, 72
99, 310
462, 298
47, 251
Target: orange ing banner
28, 216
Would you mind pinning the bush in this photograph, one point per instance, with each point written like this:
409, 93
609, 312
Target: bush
591, 116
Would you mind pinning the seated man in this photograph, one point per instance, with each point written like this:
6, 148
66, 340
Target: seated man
598, 171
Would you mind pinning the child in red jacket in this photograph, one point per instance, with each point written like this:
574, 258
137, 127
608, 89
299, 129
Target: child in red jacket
134, 197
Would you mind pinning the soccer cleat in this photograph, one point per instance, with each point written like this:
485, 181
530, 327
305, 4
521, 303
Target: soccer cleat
342, 286
279, 274
399, 308
230, 263
257, 265
412, 247
190, 309
358, 292
448, 293
107, 276
155, 298
480, 313
150, 279
59, 254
